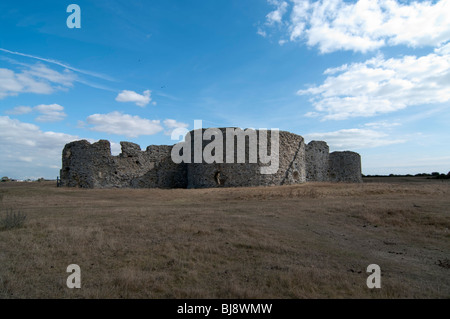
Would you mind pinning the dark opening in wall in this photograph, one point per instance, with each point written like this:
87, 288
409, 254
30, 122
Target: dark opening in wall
296, 175
217, 178
137, 162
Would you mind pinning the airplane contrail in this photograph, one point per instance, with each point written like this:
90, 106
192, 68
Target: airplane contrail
97, 75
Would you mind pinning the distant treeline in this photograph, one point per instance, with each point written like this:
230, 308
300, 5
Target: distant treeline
434, 175
7, 179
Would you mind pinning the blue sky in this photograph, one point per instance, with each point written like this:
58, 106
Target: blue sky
367, 76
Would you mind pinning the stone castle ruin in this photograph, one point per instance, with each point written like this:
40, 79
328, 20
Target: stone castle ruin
89, 165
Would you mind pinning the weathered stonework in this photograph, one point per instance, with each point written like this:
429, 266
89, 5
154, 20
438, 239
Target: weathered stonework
92, 166
291, 165
317, 161
345, 167
89, 165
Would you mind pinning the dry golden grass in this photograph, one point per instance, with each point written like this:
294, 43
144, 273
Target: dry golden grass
306, 241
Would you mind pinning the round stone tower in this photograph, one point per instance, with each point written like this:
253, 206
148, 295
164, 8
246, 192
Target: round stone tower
232, 157
345, 167
317, 161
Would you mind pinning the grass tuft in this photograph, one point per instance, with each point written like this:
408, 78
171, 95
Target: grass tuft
11, 219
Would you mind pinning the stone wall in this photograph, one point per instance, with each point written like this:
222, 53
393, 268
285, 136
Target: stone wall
317, 161
92, 166
291, 164
345, 167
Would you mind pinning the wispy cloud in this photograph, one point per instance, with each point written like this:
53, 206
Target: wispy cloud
276, 16
42, 71
261, 33
351, 139
170, 97
40, 79
64, 65
50, 113
19, 110
382, 124
12, 83
47, 112
95, 85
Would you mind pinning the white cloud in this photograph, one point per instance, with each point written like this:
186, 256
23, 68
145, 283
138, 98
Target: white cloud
116, 148
443, 50
173, 125
37, 79
50, 113
64, 78
24, 143
276, 16
382, 86
131, 96
364, 25
261, 33
382, 124
123, 124
29, 152
12, 83
351, 139
19, 110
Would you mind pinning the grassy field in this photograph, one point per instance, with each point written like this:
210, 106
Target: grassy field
305, 241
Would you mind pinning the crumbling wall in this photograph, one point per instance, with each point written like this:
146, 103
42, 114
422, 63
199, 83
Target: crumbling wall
81, 160
317, 161
345, 167
92, 166
291, 169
